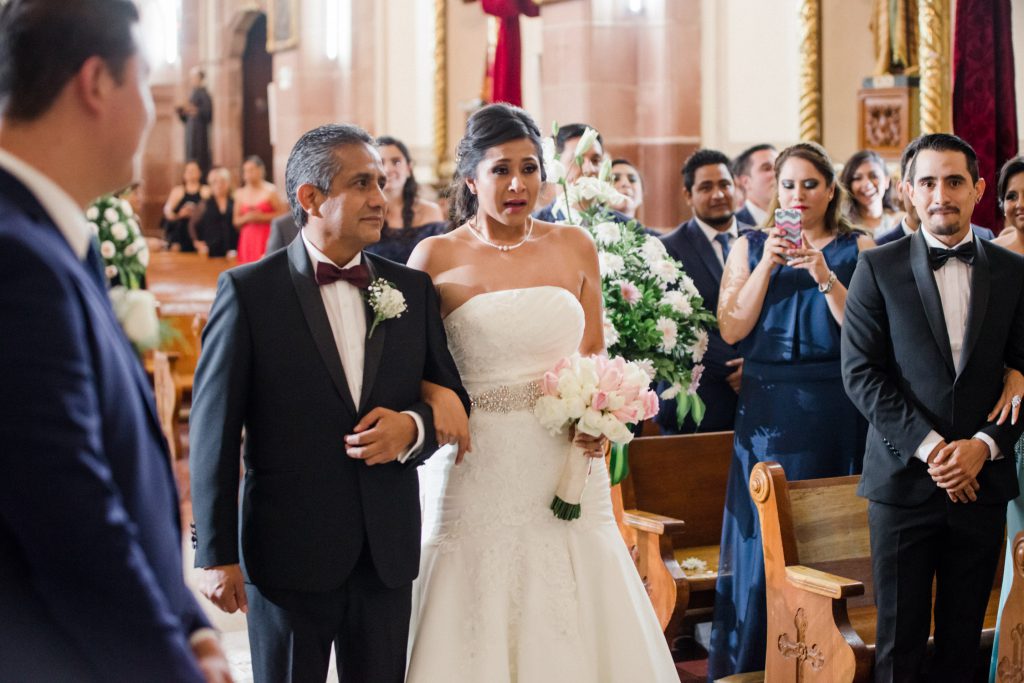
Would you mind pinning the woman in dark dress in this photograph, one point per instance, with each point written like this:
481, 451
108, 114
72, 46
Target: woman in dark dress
409, 219
182, 203
212, 226
786, 318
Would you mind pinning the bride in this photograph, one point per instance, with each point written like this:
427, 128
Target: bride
507, 592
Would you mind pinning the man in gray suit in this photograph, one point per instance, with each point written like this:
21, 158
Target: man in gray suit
282, 231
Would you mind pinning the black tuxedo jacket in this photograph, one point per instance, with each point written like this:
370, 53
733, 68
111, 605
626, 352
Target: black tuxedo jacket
897, 233
270, 364
91, 585
690, 246
898, 367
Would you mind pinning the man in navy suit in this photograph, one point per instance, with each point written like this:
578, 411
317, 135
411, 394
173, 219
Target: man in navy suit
754, 173
702, 244
91, 585
911, 221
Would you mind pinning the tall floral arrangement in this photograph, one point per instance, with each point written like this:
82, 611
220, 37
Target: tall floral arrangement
125, 257
654, 315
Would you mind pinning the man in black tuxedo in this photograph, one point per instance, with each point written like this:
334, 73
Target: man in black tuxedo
329, 533
911, 221
931, 323
702, 244
91, 585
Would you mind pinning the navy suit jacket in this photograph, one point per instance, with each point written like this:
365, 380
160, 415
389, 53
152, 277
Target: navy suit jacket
690, 246
745, 217
897, 232
91, 585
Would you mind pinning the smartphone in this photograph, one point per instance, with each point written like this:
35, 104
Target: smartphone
790, 222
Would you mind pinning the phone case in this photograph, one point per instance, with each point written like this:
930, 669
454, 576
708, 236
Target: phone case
790, 221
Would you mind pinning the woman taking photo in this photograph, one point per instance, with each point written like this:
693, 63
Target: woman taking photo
256, 204
869, 205
409, 218
784, 307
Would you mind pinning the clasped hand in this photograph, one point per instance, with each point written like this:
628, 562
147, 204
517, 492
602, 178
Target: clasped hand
380, 436
954, 467
779, 251
592, 446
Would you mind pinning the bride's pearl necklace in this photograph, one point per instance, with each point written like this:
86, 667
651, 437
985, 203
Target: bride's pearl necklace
500, 247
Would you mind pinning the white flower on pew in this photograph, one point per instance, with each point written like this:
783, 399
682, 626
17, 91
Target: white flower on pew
693, 564
107, 250
136, 311
119, 231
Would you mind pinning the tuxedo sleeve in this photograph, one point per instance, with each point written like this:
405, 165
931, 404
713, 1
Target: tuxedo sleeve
439, 368
59, 499
865, 343
215, 426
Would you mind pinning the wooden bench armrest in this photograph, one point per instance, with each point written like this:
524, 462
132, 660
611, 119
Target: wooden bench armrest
652, 523
823, 583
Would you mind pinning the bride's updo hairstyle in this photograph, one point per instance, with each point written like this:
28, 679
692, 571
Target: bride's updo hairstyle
493, 125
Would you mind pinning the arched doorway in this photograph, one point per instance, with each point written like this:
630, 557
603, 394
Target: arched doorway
257, 72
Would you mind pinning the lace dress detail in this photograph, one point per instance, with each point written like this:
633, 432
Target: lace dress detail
508, 592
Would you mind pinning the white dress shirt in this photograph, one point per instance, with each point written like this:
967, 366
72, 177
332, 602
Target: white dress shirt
759, 214
954, 283
711, 233
58, 204
346, 313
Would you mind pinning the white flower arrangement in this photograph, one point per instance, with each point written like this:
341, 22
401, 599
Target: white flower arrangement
122, 246
694, 565
387, 302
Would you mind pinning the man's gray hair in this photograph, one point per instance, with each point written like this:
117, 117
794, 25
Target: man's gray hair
313, 161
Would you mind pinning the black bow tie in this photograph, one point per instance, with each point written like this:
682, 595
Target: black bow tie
937, 256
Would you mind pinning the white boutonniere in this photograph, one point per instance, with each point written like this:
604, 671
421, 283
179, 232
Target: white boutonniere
386, 301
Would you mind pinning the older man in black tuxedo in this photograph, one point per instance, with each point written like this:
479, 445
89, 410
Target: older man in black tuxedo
328, 391
931, 323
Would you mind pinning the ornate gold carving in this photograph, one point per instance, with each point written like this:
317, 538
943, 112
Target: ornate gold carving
933, 57
1011, 667
883, 125
760, 485
810, 70
442, 164
798, 649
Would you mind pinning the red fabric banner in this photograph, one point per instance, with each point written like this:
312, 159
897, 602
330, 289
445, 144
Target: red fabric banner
984, 98
506, 71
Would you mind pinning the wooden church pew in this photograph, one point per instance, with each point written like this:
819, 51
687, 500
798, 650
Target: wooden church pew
674, 497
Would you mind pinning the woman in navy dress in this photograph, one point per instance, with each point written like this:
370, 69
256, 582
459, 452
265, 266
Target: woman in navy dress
410, 219
786, 318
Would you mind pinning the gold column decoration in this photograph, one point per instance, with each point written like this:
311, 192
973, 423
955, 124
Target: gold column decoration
933, 56
810, 70
442, 164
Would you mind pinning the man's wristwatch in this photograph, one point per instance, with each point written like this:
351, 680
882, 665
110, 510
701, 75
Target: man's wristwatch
827, 287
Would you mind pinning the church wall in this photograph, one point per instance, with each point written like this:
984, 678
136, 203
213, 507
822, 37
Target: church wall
847, 58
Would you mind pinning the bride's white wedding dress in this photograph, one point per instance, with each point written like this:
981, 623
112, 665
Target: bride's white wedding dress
507, 592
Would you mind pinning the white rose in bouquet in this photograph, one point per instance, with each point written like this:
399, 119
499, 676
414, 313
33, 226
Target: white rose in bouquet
143, 252
111, 215
136, 311
92, 213
107, 250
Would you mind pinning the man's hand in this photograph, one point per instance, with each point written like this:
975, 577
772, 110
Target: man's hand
968, 494
736, 377
224, 586
955, 464
381, 436
211, 660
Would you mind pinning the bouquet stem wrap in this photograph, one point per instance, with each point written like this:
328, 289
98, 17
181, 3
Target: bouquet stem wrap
569, 493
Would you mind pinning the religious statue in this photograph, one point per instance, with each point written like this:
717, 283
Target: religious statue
894, 24
196, 115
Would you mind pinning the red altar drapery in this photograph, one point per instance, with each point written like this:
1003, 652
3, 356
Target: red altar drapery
506, 70
984, 100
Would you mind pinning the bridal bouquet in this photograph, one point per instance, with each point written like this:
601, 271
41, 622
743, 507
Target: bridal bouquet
126, 255
596, 395
653, 312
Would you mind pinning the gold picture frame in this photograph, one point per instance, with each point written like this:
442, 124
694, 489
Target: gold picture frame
282, 25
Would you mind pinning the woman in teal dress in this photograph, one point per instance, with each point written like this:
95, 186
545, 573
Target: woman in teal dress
1010, 194
786, 317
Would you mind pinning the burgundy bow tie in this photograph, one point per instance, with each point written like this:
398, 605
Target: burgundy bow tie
357, 276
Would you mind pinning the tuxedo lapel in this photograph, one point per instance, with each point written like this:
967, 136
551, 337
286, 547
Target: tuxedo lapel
976, 308
312, 304
374, 349
929, 293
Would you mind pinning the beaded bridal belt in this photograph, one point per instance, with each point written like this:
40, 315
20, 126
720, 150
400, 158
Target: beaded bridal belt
507, 398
